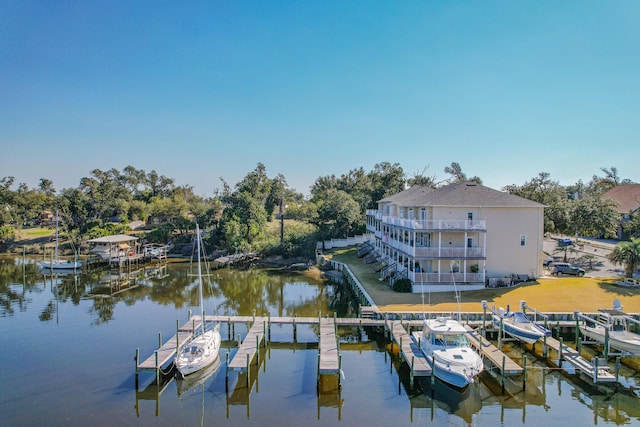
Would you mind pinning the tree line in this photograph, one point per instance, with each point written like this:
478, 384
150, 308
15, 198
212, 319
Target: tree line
238, 217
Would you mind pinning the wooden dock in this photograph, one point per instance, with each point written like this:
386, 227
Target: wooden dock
329, 362
249, 348
167, 351
497, 358
409, 350
571, 355
329, 346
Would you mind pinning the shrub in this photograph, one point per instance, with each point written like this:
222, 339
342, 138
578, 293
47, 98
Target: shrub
402, 285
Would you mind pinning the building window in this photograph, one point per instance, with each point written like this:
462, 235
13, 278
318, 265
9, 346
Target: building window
523, 240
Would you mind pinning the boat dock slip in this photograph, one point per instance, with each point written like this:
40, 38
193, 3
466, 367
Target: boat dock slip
328, 348
491, 352
409, 349
568, 354
249, 347
167, 351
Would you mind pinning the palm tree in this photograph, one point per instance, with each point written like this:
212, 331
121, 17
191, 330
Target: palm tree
627, 253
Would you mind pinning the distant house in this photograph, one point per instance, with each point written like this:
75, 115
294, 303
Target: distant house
463, 233
628, 198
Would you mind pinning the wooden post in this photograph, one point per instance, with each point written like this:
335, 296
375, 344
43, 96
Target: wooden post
504, 362
578, 341
484, 317
248, 370
258, 349
159, 339
269, 323
500, 335
318, 373
226, 375
606, 343
560, 353
157, 368
340, 370
617, 369
544, 345
524, 372
411, 374
177, 337
229, 328
595, 370
295, 335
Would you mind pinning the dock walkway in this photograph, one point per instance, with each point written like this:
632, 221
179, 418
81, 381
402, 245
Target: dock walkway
248, 348
571, 355
497, 358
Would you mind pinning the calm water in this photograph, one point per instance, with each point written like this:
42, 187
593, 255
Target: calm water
68, 346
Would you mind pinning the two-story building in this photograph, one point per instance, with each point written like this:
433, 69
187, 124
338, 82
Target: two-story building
461, 234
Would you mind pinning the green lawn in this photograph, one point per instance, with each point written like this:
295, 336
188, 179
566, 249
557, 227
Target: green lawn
548, 294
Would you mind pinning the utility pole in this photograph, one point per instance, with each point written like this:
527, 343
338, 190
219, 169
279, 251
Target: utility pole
281, 222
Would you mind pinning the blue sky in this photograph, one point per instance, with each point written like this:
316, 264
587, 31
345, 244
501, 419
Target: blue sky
203, 90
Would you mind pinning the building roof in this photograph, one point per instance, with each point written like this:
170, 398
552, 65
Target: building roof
116, 238
461, 194
407, 195
627, 196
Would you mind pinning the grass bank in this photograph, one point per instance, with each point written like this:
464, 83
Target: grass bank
548, 294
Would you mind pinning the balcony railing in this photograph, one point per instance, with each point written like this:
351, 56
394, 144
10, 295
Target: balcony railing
449, 252
425, 278
433, 225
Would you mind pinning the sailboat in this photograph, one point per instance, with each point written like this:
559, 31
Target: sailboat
202, 350
445, 345
56, 263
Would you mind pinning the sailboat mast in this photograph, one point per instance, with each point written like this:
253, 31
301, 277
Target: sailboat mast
200, 277
56, 251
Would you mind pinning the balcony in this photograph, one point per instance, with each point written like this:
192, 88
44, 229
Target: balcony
447, 277
436, 225
459, 252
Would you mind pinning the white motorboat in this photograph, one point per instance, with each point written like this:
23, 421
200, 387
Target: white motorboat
56, 263
518, 325
446, 347
615, 324
202, 350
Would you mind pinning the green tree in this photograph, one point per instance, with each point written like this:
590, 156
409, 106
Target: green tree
386, 179
633, 225
627, 254
338, 215
544, 190
594, 216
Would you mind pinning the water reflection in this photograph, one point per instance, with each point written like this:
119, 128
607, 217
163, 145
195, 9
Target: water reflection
114, 312
231, 292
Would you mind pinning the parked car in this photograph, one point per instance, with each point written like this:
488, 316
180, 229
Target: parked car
562, 268
565, 241
547, 260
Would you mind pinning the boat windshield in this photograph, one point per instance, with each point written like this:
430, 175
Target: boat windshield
450, 340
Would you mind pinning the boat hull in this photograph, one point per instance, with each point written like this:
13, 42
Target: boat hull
520, 327
199, 353
453, 362
60, 265
624, 341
